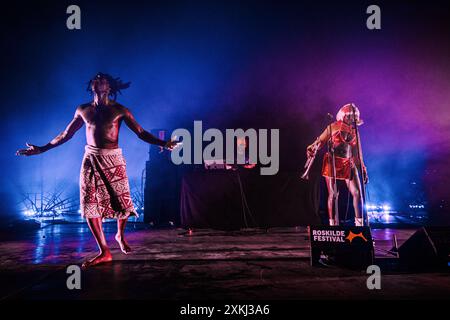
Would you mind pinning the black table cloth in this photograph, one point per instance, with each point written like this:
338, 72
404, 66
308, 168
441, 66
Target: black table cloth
213, 199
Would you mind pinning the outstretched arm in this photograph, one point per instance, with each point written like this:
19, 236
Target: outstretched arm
66, 135
325, 136
144, 135
321, 140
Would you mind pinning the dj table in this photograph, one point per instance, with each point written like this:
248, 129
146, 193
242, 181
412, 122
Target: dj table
230, 200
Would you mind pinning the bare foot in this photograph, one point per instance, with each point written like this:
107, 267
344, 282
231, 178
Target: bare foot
124, 247
102, 257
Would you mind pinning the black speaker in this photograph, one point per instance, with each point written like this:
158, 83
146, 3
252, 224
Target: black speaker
162, 186
428, 247
350, 247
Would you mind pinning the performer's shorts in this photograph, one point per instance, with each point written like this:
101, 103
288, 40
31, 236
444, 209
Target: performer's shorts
345, 167
104, 187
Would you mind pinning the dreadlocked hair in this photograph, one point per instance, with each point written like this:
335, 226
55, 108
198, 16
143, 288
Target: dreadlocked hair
115, 84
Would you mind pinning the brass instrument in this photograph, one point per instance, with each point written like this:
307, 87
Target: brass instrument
310, 160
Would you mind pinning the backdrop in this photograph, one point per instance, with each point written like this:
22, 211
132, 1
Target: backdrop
232, 64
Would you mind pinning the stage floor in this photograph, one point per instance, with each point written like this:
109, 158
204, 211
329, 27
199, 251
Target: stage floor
207, 264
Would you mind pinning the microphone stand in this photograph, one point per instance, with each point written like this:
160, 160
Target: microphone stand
333, 172
360, 171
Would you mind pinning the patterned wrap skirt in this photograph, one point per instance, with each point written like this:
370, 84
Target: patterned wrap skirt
104, 186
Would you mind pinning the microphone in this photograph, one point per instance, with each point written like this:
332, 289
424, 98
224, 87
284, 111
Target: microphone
329, 115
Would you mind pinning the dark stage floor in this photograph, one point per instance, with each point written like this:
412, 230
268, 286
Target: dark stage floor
207, 264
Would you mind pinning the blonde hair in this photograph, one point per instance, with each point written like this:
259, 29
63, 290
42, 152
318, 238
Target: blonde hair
349, 109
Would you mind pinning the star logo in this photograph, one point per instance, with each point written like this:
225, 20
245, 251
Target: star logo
352, 236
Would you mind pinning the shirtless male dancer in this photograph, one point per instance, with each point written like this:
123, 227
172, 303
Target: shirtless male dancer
104, 186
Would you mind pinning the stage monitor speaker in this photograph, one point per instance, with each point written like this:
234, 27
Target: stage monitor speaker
350, 247
428, 247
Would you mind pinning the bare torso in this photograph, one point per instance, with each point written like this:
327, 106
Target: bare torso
102, 128
102, 124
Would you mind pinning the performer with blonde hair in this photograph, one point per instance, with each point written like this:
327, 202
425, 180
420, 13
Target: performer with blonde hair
342, 160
